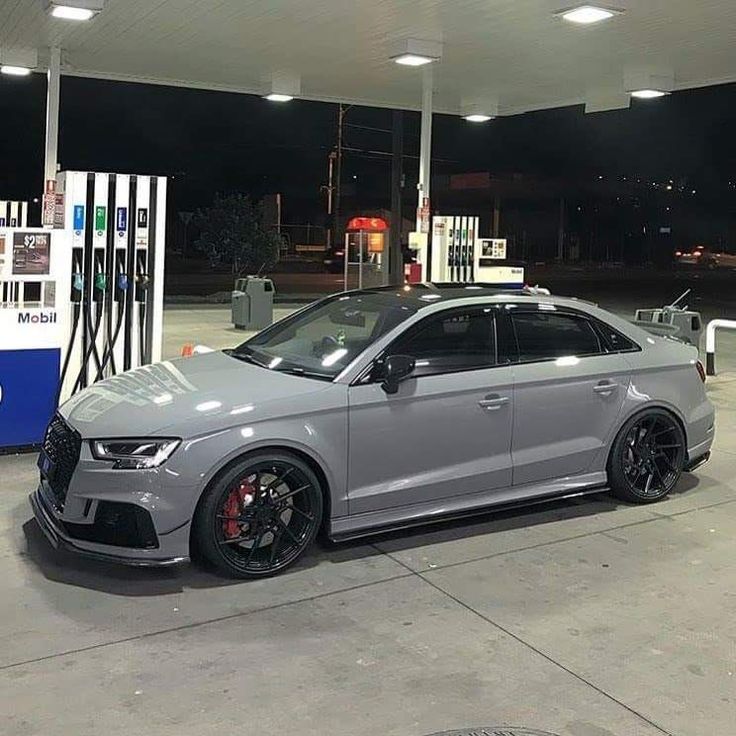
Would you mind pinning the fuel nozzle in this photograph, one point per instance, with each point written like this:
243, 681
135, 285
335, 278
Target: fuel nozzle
122, 282
100, 280
142, 279
77, 290
100, 284
77, 287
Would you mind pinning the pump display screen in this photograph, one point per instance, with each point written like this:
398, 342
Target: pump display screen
31, 254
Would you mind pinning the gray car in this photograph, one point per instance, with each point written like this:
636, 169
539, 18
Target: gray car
367, 411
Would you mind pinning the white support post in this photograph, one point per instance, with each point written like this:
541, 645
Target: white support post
425, 158
52, 115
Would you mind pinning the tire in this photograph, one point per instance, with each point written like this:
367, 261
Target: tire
647, 457
259, 516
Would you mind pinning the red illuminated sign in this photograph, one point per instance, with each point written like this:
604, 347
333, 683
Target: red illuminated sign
368, 223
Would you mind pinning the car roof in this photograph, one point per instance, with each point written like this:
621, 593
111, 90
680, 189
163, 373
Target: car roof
424, 295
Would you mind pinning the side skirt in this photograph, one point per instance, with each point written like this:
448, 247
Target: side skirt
405, 517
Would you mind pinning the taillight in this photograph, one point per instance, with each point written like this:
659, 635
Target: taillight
701, 370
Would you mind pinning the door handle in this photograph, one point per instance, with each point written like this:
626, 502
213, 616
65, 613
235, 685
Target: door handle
493, 402
606, 388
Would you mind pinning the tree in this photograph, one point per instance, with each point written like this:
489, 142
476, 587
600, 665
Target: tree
231, 233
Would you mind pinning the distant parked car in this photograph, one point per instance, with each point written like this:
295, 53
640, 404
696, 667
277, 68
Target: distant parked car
704, 257
366, 411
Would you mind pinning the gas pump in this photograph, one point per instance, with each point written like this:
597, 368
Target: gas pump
458, 255
366, 253
119, 222
13, 214
492, 265
81, 303
32, 325
453, 248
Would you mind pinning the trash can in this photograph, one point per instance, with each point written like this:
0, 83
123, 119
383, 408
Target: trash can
252, 303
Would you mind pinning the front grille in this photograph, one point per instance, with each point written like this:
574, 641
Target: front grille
62, 446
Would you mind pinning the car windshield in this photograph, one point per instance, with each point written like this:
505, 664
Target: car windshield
320, 341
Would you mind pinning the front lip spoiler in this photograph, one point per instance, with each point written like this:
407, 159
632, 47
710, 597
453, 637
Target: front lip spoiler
59, 540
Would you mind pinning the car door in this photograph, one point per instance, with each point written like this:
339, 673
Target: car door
447, 431
569, 389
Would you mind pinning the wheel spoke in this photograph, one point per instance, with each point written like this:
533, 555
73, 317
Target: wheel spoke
296, 509
286, 529
659, 473
236, 540
667, 460
275, 546
256, 542
639, 473
648, 484
279, 480
668, 447
649, 428
290, 494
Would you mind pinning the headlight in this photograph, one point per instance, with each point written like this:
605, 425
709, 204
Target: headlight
134, 454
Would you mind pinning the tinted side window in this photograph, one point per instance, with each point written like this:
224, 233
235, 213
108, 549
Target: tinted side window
542, 336
452, 341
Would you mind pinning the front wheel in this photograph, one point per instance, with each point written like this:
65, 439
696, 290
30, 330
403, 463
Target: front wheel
647, 457
260, 516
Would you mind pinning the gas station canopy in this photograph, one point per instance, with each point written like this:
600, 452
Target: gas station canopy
509, 55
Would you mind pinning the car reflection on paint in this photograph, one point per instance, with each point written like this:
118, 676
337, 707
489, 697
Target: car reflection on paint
367, 411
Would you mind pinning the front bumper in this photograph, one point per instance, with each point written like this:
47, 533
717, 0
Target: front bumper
59, 539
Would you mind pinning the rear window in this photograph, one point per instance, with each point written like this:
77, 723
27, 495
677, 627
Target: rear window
543, 336
614, 341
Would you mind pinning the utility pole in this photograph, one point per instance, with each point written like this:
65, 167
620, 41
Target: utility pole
497, 216
561, 232
330, 197
338, 168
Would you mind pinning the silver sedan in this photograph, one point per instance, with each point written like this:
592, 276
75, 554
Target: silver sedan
368, 411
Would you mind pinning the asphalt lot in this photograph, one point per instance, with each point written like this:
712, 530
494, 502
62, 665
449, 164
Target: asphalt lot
581, 618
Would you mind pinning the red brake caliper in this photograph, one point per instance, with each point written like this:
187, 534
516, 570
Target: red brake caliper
239, 497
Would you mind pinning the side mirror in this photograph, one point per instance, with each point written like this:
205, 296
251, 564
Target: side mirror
397, 368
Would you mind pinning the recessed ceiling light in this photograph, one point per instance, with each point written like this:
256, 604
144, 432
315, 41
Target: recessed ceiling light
648, 94
413, 59
275, 97
587, 14
15, 71
69, 12
477, 118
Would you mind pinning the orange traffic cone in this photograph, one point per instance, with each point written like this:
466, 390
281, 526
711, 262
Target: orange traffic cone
187, 351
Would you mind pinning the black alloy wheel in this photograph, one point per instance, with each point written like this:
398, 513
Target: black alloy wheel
260, 516
647, 457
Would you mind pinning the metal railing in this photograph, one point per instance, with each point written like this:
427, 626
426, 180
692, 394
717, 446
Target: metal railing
710, 341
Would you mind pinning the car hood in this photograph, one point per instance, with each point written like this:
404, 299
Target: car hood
185, 397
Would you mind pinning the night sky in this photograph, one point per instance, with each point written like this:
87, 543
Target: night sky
212, 141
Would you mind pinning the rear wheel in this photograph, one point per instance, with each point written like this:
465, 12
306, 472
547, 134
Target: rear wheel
647, 457
260, 516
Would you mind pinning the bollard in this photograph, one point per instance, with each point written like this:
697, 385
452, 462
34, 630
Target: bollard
710, 342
